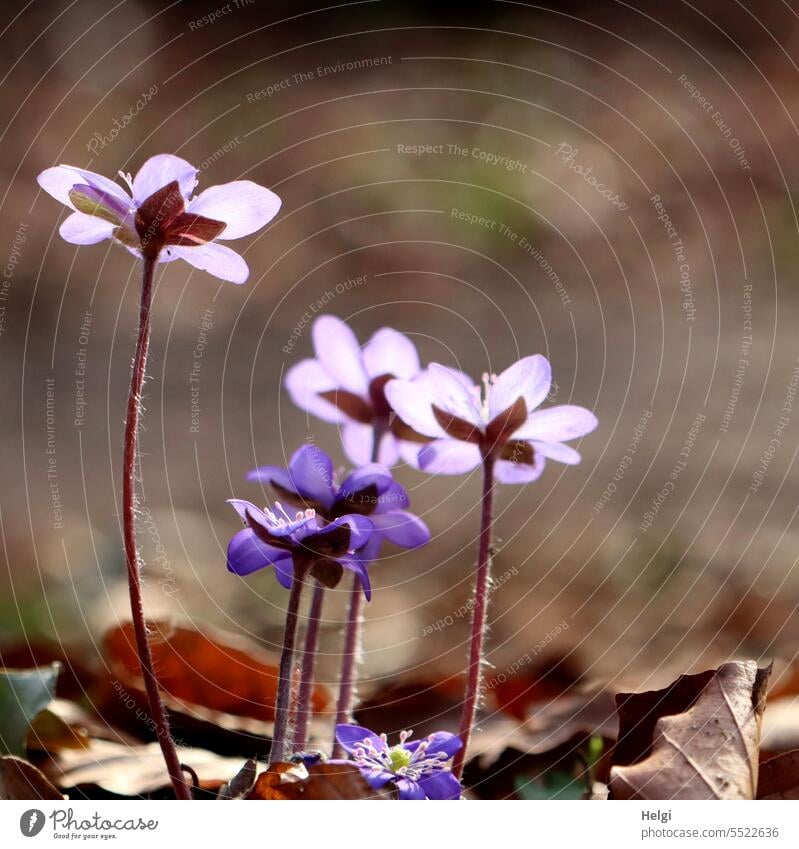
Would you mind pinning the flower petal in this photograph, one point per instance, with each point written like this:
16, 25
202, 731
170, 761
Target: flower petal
304, 382
558, 451
159, 171
338, 350
440, 785
80, 229
402, 528
394, 498
272, 475
311, 473
439, 741
529, 378
244, 207
357, 440
390, 352
358, 566
449, 457
453, 396
409, 789
216, 259
506, 471
59, 181
247, 554
557, 424
351, 736
370, 475
412, 401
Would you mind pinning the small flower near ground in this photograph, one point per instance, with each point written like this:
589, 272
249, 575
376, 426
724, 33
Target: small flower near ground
468, 423
310, 482
156, 214
418, 769
345, 384
299, 543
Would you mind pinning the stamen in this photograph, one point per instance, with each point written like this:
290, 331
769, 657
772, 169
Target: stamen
128, 179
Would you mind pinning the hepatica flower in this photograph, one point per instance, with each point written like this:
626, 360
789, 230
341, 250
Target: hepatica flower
417, 769
345, 385
156, 215
292, 544
310, 483
499, 420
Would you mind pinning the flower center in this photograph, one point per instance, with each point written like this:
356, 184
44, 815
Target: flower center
399, 757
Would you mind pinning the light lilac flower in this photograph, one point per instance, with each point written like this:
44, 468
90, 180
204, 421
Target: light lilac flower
500, 419
288, 543
310, 482
156, 213
344, 384
417, 769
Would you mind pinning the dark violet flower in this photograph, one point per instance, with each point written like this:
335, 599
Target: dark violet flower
345, 384
500, 419
310, 482
157, 213
288, 543
417, 769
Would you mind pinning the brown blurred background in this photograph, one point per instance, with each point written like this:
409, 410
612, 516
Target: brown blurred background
680, 333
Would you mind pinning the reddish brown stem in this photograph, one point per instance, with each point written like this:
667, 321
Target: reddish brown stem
479, 618
157, 710
308, 668
277, 753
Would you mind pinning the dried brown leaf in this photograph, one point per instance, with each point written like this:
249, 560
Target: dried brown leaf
697, 739
779, 777
321, 781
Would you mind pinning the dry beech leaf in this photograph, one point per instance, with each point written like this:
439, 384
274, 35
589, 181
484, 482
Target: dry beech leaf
588, 711
21, 780
779, 777
134, 770
241, 783
221, 674
697, 739
320, 781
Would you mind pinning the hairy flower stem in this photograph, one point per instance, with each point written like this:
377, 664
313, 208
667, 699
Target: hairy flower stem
308, 667
479, 617
283, 704
353, 632
157, 710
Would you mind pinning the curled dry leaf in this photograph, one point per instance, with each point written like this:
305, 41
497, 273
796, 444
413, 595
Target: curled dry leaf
21, 780
697, 739
221, 674
320, 781
241, 783
133, 770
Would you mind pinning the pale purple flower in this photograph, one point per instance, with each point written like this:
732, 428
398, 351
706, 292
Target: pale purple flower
285, 542
344, 384
311, 482
155, 213
418, 769
500, 419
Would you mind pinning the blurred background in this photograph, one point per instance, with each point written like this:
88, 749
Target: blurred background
635, 170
